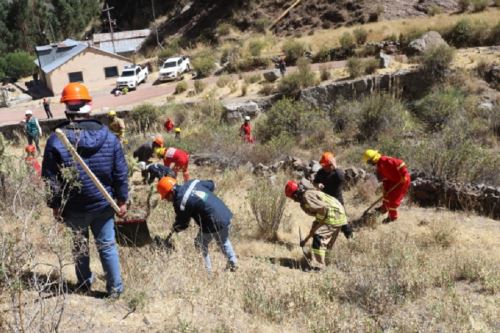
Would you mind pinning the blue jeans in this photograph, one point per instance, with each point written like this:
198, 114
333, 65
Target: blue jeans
222, 238
103, 228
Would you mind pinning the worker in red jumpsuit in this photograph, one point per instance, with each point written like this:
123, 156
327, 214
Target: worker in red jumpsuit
176, 157
31, 160
169, 125
246, 131
395, 178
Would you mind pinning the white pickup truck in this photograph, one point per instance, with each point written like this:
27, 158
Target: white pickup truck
173, 68
132, 76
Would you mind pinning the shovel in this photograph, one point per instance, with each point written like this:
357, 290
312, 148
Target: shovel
367, 218
130, 232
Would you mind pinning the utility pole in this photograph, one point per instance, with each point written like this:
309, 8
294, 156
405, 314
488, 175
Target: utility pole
154, 22
107, 11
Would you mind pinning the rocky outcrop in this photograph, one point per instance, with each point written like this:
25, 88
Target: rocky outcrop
271, 76
407, 83
431, 191
428, 40
236, 111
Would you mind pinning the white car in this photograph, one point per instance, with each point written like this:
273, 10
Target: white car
173, 68
132, 76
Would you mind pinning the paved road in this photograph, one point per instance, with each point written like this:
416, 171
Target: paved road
102, 99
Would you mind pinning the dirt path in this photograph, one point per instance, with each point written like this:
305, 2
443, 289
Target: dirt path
104, 99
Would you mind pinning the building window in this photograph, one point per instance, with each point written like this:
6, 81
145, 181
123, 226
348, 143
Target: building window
75, 77
110, 72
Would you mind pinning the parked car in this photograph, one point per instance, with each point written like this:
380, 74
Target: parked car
132, 76
173, 68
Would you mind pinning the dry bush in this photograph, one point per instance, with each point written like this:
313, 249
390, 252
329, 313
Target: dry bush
293, 50
354, 67
324, 73
244, 89
434, 9
267, 203
371, 65
267, 89
199, 86
251, 79
464, 5
360, 35
479, 5
436, 61
223, 81
181, 87
442, 233
293, 83
144, 117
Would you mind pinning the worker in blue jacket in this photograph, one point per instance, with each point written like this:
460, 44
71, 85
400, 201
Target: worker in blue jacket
195, 199
76, 200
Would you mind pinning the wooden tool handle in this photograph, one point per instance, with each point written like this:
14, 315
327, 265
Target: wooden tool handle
60, 134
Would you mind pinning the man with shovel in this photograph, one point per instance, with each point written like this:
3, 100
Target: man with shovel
195, 199
76, 200
395, 178
330, 220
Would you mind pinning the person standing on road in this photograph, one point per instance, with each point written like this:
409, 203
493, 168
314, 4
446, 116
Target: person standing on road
330, 179
81, 206
46, 107
282, 65
196, 200
32, 129
395, 179
330, 220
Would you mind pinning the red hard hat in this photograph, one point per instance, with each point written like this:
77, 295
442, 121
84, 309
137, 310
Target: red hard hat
165, 186
30, 149
75, 91
290, 188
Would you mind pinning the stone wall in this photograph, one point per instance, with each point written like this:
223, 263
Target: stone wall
405, 83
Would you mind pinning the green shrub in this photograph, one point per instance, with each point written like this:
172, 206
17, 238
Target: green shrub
347, 41
410, 35
293, 50
324, 73
17, 65
370, 66
267, 202
204, 63
494, 36
291, 84
145, 116
464, 5
255, 47
181, 87
199, 86
360, 34
267, 89
438, 107
223, 81
355, 67
466, 33
437, 60
434, 10
261, 24
295, 119
479, 5
251, 79
378, 114
323, 55
224, 29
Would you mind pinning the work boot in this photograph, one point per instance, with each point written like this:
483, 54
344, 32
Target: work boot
231, 267
387, 220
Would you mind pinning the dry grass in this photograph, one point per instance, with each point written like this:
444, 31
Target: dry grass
441, 275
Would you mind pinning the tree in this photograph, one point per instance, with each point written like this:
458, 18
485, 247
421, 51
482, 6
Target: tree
18, 64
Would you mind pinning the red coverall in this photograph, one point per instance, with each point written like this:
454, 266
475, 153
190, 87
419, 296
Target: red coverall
246, 132
33, 163
180, 158
169, 125
393, 171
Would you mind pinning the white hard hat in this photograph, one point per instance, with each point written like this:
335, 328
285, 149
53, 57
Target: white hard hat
247, 118
28, 112
142, 165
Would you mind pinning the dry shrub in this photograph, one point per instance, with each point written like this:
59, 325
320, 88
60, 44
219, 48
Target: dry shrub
223, 81
144, 116
181, 87
371, 65
293, 83
199, 86
267, 89
360, 34
251, 79
436, 61
293, 50
442, 233
267, 203
354, 67
324, 73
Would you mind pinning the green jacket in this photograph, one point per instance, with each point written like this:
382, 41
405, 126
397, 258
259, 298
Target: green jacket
32, 127
325, 208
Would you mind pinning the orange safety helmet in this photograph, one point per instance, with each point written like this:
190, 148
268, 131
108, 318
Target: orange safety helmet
290, 188
159, 141
30, 149
326, 158
165, 186
75, 91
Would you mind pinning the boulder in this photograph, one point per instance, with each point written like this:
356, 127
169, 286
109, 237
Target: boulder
428, 40
272, 76
236, 111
